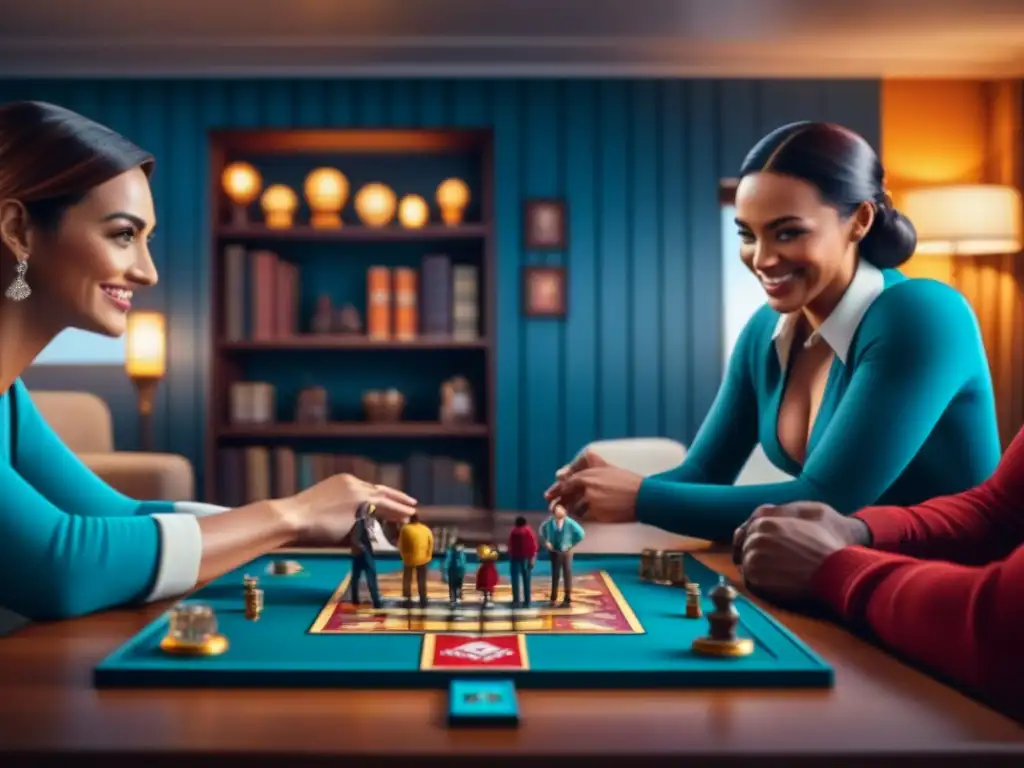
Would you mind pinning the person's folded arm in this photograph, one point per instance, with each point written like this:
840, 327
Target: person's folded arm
964, 623
914, 362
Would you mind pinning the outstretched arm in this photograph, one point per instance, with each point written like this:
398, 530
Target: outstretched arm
53, 470
57, 565
963, 623
916, 359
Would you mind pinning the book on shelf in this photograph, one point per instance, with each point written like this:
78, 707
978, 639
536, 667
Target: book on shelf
262, 299
253, 473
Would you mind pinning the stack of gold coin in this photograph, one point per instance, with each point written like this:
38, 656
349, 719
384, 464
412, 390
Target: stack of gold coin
253, 598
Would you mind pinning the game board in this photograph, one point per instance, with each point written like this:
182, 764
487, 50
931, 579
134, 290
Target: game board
619, 632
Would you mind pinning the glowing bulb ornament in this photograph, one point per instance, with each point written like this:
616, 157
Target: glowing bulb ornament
326, 191
375, 203
413, 212
241, 183
452, 197
279, 203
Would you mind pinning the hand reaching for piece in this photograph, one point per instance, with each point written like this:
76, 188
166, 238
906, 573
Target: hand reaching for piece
324, 513
605, 494
586, 460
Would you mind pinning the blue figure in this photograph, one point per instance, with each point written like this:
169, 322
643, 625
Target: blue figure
454, 572
363, 562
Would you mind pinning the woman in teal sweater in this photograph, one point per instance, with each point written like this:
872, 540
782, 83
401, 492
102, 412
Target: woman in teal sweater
75, 215
865, 386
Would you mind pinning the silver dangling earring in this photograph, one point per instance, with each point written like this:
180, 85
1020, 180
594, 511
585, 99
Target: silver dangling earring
18, 290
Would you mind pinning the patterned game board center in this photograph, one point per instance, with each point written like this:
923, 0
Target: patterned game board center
478, 650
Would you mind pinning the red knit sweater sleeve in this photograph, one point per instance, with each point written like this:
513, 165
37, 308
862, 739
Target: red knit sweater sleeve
964, 623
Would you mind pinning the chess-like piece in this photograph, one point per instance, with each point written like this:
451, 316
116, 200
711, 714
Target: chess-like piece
721, 639
253, 598
323, 317
560, 534
348, 321
454, 572
693, 609
364, 564
192, 631
416, 547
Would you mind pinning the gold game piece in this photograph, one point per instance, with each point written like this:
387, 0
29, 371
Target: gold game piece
285, 567
693, 609
253, 598
675, 569
646, 565
192, 631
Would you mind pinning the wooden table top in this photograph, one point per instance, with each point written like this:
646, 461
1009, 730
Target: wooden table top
878, 705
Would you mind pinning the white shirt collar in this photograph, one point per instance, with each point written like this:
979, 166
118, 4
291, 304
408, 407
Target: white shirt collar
839, 327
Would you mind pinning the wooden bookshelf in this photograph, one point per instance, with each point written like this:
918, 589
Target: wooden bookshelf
233, 358
356, 233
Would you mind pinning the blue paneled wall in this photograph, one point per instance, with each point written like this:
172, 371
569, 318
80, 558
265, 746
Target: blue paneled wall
639, 162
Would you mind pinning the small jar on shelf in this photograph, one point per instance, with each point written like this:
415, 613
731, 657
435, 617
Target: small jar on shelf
383, 407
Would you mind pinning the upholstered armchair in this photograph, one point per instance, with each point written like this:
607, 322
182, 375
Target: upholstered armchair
83, 422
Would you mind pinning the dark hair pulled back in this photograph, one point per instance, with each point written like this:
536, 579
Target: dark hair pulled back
847, 172
51, 157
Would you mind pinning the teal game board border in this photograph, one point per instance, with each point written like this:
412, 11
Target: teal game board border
279, 651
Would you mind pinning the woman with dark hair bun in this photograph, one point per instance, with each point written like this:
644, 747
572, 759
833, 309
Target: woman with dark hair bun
866, 387
76, 214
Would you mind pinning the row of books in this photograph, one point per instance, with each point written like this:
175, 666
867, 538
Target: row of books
254, 473
263, 296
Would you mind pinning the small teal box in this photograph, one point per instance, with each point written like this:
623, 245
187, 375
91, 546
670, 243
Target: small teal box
485, 703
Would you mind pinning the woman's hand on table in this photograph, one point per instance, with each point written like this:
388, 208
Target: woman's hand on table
324, 513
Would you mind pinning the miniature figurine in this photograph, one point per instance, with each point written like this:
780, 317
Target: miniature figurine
456, 401
454, 572
323, 318
560, 534
522, 557
311, 407
487, 573
348, 321
363, 561
416, 547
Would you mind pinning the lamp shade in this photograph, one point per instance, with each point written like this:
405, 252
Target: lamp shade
965, 219
146, 347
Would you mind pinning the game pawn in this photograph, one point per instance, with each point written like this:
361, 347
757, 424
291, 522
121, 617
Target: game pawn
253, 598
721, 639
693, 609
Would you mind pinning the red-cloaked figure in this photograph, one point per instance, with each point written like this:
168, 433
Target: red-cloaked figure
487, 573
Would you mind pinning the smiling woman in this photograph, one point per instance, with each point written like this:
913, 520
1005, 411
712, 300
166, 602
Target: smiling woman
861, 385
76, 213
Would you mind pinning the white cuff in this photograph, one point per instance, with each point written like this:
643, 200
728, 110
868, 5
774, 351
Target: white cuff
380, 541
181, 550
198, 508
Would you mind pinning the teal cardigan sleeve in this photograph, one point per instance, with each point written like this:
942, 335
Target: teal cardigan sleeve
729, 433
919, 346
54, 565
53, 470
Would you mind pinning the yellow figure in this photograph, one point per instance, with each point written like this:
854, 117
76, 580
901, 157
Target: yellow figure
416, 546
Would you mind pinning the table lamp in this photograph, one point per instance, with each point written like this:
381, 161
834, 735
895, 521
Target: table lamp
146, 365
965, 219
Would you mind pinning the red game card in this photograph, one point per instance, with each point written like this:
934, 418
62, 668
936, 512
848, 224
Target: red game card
474, 653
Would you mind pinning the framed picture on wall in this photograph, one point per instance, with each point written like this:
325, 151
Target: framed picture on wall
544, 291
544, 224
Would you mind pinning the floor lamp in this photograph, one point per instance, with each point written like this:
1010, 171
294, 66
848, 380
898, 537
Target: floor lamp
146, 365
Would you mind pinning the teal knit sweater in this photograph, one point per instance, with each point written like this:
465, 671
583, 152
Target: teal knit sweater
909, 416
69, 543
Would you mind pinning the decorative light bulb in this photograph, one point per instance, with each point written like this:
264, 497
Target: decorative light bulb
375, 203
241, 183
279, 204
413, 212
452, 197
326, 192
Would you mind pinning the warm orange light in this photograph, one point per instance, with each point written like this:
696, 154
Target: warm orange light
452, 197
241, 182
413, 212
966, 219
279, 203
375, 204
326, 192
146, 345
